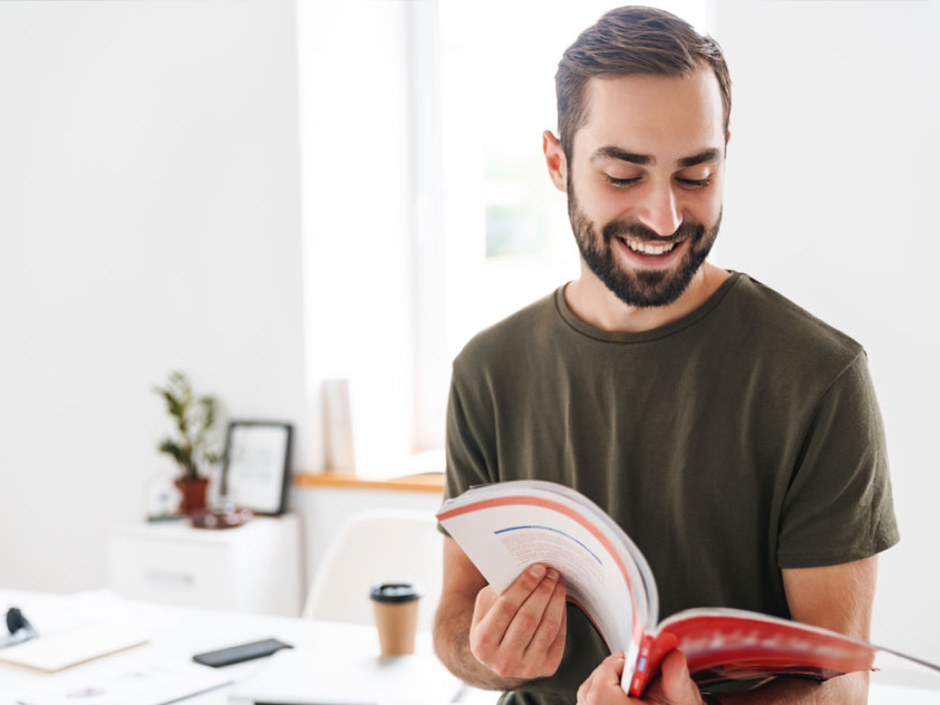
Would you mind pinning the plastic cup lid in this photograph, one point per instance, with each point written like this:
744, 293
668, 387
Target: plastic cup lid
396, 592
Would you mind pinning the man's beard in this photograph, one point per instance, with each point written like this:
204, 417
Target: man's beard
643, 287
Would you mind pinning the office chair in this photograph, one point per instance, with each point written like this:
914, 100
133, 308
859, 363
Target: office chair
374, 546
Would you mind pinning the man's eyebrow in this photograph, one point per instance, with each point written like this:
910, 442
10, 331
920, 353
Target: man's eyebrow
611, 152
623, 155
707, 156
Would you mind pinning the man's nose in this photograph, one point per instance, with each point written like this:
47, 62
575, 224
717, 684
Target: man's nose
660, 212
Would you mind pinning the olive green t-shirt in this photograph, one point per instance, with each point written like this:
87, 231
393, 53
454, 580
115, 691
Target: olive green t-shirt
739, 440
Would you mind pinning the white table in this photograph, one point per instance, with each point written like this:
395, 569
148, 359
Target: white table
179, 632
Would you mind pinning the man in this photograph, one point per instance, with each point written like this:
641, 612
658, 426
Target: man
735, 437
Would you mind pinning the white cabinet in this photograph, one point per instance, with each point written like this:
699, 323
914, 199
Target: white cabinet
253, 568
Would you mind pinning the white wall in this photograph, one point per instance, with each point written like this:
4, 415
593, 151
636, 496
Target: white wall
149, 220
832, 183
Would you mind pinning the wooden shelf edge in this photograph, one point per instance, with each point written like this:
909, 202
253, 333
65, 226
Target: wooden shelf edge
430, 482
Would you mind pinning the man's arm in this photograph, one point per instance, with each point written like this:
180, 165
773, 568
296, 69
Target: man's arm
837, 597
499, 641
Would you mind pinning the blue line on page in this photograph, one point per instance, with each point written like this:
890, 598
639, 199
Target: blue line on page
548, 528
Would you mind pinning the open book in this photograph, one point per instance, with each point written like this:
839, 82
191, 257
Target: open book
505, 527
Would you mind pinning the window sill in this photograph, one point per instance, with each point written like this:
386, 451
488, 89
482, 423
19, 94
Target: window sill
430, 482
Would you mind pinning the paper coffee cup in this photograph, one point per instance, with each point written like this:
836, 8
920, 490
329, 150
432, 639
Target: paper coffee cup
396, 616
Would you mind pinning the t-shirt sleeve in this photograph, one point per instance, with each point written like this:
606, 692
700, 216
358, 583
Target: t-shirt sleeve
469, 457
838, 507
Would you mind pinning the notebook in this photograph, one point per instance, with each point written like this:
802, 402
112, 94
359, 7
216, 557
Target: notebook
53, 653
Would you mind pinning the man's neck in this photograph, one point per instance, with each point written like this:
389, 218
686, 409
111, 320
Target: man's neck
591, 301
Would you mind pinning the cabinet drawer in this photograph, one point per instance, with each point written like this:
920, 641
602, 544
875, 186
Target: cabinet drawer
171, 572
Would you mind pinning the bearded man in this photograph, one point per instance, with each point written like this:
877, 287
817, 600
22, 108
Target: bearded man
733, 436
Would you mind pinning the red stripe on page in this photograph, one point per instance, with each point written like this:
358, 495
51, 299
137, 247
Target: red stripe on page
571, 514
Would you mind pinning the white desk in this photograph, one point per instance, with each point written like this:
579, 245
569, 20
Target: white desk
179, 632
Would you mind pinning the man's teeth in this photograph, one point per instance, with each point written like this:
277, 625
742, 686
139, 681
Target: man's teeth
647, 249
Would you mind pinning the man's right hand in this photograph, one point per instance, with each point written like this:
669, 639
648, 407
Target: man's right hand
521, 633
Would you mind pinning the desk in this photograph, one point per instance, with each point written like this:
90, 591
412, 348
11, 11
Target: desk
179, 632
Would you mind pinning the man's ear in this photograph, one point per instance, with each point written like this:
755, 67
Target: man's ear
555, 160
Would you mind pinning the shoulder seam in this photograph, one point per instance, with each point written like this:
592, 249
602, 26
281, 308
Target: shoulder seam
816, 404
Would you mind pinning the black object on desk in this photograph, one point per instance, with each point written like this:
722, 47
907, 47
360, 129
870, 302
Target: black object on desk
19, 627
242, 652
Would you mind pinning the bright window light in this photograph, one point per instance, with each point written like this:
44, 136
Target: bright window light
428, 211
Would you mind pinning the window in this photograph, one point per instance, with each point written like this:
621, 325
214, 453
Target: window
505, 227
466, 88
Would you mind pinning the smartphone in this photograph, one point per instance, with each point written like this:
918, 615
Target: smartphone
242, 652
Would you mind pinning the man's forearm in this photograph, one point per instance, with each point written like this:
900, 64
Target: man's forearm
452, 645
850, 689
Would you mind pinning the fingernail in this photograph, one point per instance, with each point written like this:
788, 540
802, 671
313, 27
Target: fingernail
552, 574
537, 571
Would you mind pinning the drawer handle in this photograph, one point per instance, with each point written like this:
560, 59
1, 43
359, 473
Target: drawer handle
169, 578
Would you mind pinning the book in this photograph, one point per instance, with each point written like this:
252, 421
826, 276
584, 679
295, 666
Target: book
505, 527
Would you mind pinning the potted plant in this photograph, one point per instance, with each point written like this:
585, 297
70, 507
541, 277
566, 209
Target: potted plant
194, 418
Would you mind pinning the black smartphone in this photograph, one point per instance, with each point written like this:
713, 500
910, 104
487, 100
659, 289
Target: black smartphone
242, 652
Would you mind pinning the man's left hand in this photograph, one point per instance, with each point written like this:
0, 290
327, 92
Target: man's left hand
674, 687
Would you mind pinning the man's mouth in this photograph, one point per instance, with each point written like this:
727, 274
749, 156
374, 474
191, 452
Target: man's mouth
646, 248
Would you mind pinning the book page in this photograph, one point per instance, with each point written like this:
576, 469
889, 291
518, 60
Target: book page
505, 528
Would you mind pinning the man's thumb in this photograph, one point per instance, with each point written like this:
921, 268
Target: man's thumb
678, 686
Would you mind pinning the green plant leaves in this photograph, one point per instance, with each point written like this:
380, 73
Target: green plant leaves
194, 422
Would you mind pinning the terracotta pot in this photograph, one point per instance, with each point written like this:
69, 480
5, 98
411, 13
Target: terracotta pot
193, 495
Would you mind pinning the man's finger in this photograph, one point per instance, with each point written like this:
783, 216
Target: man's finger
485, 600
553, 621
504, 609
603, 685
677, 684
530, 614
611, 668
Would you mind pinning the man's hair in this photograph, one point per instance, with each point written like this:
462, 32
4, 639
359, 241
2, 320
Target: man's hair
632, 41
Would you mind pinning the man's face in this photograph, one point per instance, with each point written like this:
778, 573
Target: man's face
645, 181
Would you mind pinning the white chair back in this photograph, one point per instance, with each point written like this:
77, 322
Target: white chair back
382, 545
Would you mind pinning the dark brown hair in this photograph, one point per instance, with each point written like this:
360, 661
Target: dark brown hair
632, 41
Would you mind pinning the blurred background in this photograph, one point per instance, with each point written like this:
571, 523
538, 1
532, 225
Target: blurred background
271, 194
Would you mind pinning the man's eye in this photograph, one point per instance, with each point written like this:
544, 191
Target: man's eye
694, 183
621, 182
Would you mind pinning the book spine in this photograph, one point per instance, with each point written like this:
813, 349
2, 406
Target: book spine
641, 670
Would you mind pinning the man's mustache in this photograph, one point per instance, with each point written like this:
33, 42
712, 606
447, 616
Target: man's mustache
688, 230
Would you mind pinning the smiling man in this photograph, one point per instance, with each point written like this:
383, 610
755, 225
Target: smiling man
644, 218
734, 437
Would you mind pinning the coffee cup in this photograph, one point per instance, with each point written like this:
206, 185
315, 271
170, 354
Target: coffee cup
396, 616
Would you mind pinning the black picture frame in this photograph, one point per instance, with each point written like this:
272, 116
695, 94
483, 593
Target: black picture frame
256, 472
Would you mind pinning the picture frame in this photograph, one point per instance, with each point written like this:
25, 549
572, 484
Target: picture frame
257, 468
